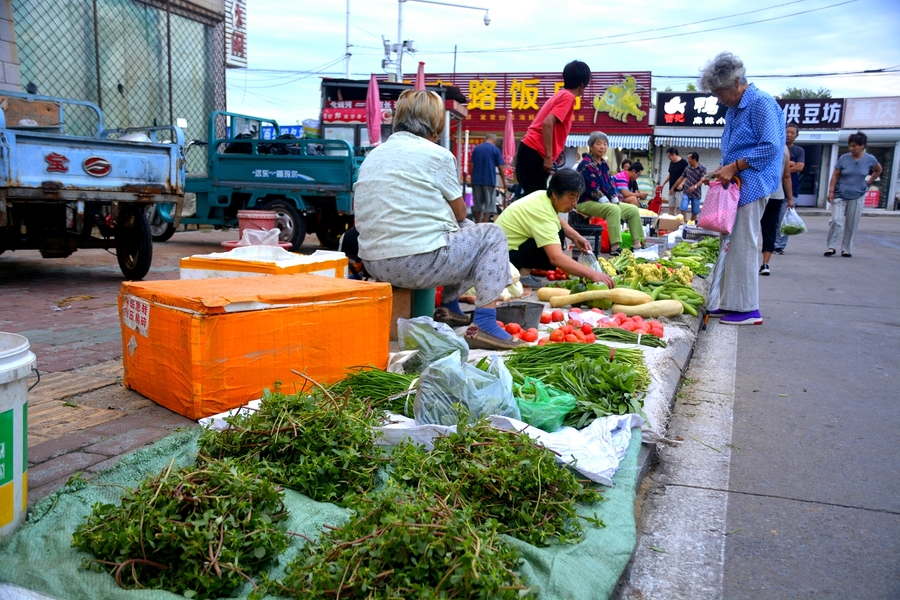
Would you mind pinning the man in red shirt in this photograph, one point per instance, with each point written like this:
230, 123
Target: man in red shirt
546, 136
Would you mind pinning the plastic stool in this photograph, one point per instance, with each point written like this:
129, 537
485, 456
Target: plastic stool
423, 302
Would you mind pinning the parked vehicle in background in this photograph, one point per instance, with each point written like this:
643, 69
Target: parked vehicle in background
307, 182
60, 192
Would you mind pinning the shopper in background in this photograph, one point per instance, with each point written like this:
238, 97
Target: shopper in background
853, 174
632, 185
536, 233
796, 164
677, 165
487, 163
771, 221
546, 136
412, 225
600, 199
752, 148
691, 182
624, 181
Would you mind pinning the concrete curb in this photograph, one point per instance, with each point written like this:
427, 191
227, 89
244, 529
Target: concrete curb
824, 212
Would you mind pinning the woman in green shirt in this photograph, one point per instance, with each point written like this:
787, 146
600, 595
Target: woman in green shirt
536, 232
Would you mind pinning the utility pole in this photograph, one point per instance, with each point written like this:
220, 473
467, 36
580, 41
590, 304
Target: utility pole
347, 45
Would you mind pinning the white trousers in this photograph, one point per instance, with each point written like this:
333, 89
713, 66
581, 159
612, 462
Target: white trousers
844, 216
740, 277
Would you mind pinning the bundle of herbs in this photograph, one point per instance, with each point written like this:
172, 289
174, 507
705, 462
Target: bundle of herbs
383, 389
198, 531
402, 543
600, 387
314, 442
541, 361
501, 476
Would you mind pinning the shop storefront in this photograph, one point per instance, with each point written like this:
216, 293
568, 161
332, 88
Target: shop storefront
616, 103
879, 119
689, 122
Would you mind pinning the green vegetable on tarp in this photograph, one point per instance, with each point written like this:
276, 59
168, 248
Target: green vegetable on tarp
502, 476
543, 406
614, 334
405, 543
382, 389
200, 530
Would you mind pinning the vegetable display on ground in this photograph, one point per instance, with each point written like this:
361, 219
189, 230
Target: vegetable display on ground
317, 443
502, 477
403, 543
198, 531
382, 389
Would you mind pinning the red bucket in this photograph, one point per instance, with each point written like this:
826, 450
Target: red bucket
256, 219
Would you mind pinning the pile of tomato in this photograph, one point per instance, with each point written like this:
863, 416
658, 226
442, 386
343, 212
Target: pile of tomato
636, 324
555, 275
518, 332
573, 331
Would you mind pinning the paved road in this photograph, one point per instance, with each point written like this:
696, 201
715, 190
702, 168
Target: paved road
786, 480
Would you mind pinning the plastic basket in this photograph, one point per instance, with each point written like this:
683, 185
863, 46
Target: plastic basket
872, 198
696, 233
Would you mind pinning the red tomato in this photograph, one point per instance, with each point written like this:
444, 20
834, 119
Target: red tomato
545, 318
543, 341
571, 338
597, 310
620, 316
637, 318
558, 335
557, 315
586, 329
501, 324
578, 335
551, 276
529, 336
574, 310
628, 326
567, 329
513, 328
590, 338
576, 323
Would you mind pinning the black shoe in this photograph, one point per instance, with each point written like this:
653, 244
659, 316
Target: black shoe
442, 314
615, 252
779, 251
764, 269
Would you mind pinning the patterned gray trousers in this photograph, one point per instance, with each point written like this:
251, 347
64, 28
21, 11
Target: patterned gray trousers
476, 255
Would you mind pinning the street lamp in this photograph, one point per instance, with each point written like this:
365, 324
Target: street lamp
408, 45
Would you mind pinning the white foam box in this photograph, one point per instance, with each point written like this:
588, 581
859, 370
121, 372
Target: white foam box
248, 261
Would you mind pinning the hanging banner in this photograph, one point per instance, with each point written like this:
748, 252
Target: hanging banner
236, 33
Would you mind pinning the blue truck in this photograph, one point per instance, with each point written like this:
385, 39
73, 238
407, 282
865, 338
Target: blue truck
308, 183
61, 192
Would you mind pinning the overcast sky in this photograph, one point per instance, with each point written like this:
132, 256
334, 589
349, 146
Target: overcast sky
674, 38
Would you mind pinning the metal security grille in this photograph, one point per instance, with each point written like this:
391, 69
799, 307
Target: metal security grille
143, 63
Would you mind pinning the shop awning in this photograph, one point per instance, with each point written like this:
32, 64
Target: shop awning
680, 141
627, 142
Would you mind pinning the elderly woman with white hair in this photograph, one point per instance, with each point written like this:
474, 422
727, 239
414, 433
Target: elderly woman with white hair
600, 200
752, 149
412, 225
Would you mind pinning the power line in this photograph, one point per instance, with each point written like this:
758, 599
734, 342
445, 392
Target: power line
883, 71
647, 39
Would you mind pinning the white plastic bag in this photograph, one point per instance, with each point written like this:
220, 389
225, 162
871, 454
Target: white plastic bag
450, 381
792, 224
259, 237
589, 259
431, 339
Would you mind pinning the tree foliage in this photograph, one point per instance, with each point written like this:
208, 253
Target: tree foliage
798, 93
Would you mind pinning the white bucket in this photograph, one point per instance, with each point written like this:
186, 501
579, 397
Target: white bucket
16, 362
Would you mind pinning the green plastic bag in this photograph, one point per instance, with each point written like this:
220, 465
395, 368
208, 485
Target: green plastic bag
542, 406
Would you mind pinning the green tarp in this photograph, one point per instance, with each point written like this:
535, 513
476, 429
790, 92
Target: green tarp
40, 557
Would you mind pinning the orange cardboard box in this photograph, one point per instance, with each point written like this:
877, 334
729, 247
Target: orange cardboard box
201, 347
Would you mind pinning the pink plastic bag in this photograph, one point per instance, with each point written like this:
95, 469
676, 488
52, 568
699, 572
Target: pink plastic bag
720, 207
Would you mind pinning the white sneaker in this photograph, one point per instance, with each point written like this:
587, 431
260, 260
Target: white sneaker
764, 269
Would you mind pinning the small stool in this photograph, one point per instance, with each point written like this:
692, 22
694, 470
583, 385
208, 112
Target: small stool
408, 304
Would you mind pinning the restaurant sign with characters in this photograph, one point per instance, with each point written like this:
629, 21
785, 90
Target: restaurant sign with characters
699, 109
612, 102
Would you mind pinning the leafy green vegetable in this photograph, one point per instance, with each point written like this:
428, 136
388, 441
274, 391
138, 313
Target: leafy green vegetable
382, 389
314, 442
502, 477
203, 529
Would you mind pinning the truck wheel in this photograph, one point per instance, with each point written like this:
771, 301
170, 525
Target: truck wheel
160, 231
134, 245
291, 223
330, 229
